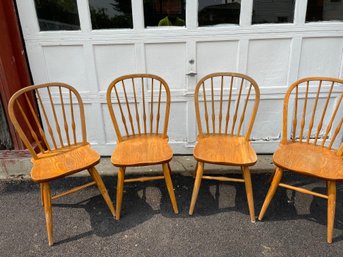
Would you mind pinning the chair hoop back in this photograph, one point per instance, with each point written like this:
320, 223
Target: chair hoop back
138, 100
56, 128
226, 97
307, 106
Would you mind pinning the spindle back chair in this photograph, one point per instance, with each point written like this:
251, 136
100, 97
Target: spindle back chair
311, 139
139, 106
232, 92
146, 93
58, 133
306, 126
58, 149
226, 104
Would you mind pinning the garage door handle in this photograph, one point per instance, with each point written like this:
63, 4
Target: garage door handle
191, 74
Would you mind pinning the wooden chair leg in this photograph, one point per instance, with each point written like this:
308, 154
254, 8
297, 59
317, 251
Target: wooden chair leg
48, 211
197, 182
271, 178
249, 191
271, 192
195, 170
120, 189
169, 169
169, 183
41, 193
99, 182
331, 209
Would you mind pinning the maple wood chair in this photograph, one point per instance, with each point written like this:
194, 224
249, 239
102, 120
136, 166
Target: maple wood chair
142, 136
61, 148
311, 144
221, 115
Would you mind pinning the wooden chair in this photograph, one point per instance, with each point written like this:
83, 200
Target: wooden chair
61, 149
142, 102
221, 115
311, 139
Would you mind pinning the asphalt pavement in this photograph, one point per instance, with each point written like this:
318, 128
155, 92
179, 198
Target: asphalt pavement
294, 225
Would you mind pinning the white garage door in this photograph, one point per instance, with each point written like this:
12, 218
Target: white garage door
89, 43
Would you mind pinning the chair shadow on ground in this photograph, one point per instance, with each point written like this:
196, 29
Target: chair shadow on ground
282, 208
135, 210
283, 205
141, 201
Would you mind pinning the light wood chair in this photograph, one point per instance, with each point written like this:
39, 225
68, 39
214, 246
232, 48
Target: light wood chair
60, 149
223, 104
311, 139
142, 102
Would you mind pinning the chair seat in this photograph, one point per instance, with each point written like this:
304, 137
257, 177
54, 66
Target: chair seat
142, 150
60, 164
224, 149
310, 160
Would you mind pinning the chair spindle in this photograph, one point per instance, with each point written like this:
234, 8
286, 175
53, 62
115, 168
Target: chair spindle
144, 112
221, 104
66, 128
121, 112
158, 107
205, 106
228, 107
237, 106
128, 108
136, 105
328, 128
320, 125
152, 106
313, 112
213, 111
40, 129
303, 121
57, 125
295, 114
73, 126
32, 132
46, 119
244, 109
